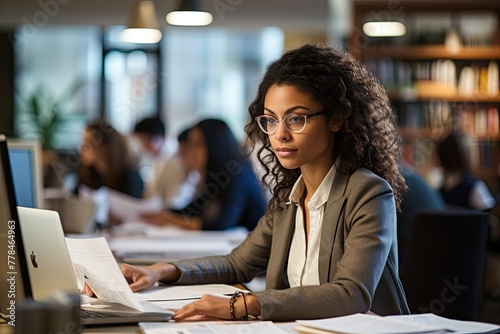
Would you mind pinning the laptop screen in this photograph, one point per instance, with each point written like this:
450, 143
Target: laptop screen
26, 164
15, 284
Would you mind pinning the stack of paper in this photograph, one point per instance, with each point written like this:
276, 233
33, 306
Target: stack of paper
211, 327
407, 324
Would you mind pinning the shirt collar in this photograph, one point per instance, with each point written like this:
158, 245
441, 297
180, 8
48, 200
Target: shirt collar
322, 193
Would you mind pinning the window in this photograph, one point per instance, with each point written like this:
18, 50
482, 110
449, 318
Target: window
193, 73
60, 69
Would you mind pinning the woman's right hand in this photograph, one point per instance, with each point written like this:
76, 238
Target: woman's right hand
143, 277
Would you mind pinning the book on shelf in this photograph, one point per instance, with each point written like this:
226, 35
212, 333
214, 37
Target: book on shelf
432, 115
480, 121
436, 78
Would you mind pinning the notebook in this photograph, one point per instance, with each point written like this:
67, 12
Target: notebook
51, 270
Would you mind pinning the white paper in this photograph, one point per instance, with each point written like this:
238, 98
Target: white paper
212, 327
101, 271
178, 292
234, 235
80, 275
129, 209
174, 305
169, 248
368, 324
457, 326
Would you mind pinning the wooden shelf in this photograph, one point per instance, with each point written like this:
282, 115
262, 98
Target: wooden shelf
406, 96
484, 136
435, 134
398, 65
433, 52
423, 133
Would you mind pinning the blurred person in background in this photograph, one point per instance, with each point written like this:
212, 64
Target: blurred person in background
105, 165
460, 188
228, 193
167, 177
104, 160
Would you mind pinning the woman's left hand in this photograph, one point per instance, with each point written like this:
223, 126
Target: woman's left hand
209, 306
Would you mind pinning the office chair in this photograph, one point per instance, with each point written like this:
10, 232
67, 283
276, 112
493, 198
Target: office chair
443, 269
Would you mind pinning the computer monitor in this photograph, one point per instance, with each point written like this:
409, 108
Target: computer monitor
26, 162
15, 285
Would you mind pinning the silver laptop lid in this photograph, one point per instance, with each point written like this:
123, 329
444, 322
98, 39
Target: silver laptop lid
49, 264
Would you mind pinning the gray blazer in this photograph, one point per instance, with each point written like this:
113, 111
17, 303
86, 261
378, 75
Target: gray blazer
357, 263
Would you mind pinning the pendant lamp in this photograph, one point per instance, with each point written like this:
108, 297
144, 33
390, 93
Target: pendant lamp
189, 14
143, 25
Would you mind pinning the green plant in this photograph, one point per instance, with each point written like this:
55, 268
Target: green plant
43, 116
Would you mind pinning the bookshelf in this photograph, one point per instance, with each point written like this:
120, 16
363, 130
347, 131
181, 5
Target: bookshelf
437, 86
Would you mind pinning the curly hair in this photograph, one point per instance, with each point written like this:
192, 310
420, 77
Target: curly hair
368, 138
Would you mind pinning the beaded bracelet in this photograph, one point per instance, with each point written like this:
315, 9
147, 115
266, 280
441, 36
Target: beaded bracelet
231, 305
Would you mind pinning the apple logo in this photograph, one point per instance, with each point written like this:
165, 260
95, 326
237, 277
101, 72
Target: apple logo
33, 259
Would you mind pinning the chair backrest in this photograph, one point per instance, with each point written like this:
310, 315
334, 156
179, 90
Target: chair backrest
443, 269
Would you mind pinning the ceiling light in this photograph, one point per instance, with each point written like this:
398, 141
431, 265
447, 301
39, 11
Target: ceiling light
384, 29
189, 14
143, 25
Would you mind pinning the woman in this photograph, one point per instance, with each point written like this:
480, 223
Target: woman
328, 238
461, 189
104, 160
229, 193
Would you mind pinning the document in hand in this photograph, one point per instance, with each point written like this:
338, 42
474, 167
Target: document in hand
373, 324
95, 261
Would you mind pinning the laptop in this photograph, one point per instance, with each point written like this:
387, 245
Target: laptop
51, 270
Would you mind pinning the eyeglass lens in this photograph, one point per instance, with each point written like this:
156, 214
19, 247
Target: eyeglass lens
294, 123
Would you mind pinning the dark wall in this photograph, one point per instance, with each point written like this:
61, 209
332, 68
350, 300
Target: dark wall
6, 83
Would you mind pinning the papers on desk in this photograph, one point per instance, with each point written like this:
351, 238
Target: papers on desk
234, 235
174, 297
96, 262
407, 324
128, 208
450, 325
211, 327
156, 250
178, 292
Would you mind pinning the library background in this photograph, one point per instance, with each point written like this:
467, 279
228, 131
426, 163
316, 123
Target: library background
439, 62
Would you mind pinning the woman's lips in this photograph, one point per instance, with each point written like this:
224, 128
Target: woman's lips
285, 151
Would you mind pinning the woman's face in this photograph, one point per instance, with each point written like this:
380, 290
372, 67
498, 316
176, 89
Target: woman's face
196, 154
313, 147
90, 150
87, 149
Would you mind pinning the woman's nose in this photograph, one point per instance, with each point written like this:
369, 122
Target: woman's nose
282, 133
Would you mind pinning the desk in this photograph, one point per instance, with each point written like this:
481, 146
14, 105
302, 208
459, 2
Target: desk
143, 244
112, 329
139, 243
287, 327
7, 329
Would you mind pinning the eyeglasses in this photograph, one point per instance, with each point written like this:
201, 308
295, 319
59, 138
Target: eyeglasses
293, 122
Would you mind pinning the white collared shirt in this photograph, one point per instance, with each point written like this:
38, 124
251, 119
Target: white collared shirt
303, 260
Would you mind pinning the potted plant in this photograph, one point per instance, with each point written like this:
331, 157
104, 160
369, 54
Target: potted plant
43, 116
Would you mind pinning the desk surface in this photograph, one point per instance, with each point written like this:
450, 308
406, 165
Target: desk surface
285, 326
134, 329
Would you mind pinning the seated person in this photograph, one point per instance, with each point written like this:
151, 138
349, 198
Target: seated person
228, 194
172, 180
105, 165
420, 197
329, 145
104, 162
460, 188
166, 177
